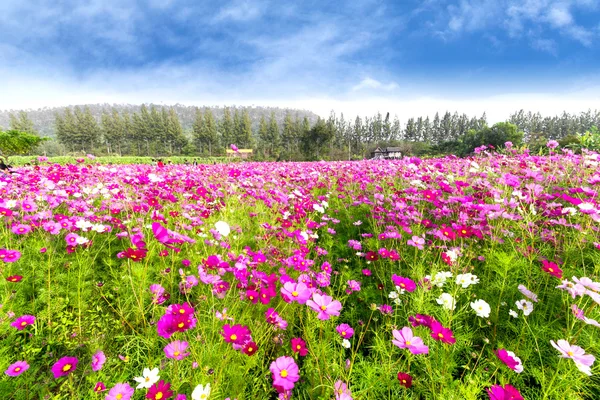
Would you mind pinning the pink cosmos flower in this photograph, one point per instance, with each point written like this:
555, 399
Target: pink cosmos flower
98, 360
22, 322
583, 361
296, 292
9, 256
64, 366
341, 391
510, 360
588, 283
17, 368
285, 372
404, 339
354, 286
324, 305
507, 392
574, 289
404, 283
176, 350
528, 293
121, 391
21, 229
345, 331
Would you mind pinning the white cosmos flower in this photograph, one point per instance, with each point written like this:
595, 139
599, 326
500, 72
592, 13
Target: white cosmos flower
223, 228
526, 306
201, 392
148, 378
513, 314
466, 280
482, 308
447, 301
440, 278
346, 343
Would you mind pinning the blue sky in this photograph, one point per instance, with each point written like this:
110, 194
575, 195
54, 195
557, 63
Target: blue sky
358, 57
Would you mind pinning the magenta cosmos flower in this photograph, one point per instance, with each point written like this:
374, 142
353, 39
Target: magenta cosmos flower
160, 390
507, 392
64, 366
98, 360
121, 391
17, 368
22, 322
583, 361
438, 332
177, 350
324, 305
299, 346
404, 283
345, 331
285, 372
510, 360
404, 339
237, 334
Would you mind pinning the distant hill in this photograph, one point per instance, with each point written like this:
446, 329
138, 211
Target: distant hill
43, 118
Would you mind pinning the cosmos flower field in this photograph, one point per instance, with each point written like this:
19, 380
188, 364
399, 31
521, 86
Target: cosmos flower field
443, 278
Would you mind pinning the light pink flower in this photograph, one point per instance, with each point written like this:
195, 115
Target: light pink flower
404, 339
583, 361
324, 305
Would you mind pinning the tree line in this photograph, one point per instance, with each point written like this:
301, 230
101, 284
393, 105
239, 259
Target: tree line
157, 131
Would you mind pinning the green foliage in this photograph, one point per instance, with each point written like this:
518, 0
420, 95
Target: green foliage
15, 142
496, 136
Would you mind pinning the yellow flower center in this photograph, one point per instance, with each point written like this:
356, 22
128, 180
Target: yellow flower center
119, 396
295, 294
323, 308
408, 342
298, 347
233, 337
158, 396
66, 367
176, 353
17, 369
404, 381
180, 325
250, 349
203, 396
283, 373
402, 285
344, 333
551, 269
181, 311
440, 335
147, 379
23, 323
570, 353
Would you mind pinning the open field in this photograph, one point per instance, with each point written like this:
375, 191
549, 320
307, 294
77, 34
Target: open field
443, 278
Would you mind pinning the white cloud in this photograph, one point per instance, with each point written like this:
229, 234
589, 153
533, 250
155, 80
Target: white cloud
545, 45
370, 83
240, 11
559, 16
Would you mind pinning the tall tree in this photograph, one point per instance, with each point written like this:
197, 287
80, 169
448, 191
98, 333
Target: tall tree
22, 123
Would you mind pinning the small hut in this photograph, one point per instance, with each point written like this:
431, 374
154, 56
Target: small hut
386, 153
